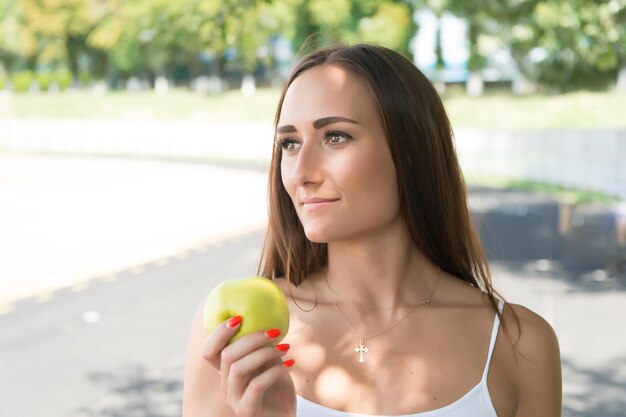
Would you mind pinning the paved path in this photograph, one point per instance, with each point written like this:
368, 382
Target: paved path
587, 317
66, 219
116, 348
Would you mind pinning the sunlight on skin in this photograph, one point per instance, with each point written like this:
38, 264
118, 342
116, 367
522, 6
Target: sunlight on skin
337, 387
311, 357
339, 76
331, 375
334, 385
409, 371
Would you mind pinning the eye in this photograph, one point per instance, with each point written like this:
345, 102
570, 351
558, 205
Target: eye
337, 137
286, 144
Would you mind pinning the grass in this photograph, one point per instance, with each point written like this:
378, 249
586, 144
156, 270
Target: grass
178, 104
496, 110
501, 111
567, 195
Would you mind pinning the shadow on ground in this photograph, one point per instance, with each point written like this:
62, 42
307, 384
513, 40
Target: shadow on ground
585, 243
575, 280
600, 392
135, 393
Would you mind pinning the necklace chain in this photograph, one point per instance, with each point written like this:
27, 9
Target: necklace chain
383, 332
361, 349
385, 307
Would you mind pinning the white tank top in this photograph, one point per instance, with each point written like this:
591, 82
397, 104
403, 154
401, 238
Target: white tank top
475, 403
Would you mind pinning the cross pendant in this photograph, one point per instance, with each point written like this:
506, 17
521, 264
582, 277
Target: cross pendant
361, 350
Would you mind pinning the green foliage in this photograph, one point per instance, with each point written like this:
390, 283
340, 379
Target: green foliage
560, 44
84, 77
44, 79
583, 41
3, 76
329, 14
384, 22
156, 37
21, 81
387, 27
564, 45
63, 78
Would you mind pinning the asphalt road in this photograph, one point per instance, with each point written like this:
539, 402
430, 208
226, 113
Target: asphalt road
117, 347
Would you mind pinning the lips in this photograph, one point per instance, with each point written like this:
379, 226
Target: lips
314, 200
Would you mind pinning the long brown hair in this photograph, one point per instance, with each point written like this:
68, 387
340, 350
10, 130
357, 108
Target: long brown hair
432, 191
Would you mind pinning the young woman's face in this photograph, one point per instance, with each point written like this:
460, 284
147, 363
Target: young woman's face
334, 147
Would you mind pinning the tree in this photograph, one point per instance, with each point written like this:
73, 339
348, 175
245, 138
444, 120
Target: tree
385, 22
560, 44
391, 25
49, 32
148, 38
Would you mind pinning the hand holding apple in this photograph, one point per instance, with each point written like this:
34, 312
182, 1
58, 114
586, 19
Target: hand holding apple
258, 300
242, 319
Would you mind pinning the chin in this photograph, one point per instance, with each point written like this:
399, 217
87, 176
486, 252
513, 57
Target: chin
325, 235
320, 234
316, 237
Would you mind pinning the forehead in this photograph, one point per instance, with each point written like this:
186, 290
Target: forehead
326, 90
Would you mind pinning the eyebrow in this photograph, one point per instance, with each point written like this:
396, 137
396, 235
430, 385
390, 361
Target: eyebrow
318, 124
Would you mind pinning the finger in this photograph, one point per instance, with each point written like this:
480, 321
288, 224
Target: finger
242, 347
248, 367
217, 340
253, 396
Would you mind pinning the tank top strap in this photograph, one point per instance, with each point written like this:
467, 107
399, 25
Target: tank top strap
492, 342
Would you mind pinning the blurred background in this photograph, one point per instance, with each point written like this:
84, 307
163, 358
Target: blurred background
135, 140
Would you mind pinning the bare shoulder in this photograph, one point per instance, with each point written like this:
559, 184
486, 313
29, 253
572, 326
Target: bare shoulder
531, 334
536, 362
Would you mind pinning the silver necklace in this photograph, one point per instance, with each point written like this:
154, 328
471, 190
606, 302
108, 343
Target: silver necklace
361, 349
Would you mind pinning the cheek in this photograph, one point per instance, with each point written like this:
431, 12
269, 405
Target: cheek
373, 184
285, 175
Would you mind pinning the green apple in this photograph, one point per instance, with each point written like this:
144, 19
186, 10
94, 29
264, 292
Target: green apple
259, 301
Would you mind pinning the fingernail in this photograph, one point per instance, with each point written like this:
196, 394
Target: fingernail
283, 347
289, 363
233, 322
272, 333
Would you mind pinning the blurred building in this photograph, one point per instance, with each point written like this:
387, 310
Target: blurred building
500, 67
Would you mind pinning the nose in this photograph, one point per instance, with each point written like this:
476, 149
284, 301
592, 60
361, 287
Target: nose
308, 165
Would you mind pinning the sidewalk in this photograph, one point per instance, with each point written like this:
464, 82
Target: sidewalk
586, 316
66, 220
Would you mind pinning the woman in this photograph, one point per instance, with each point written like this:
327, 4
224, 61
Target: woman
392, 307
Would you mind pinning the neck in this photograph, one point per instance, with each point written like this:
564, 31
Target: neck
376, 274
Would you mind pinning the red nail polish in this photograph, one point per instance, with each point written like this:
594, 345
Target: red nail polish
283, 347
289, 363
272, 333
233, 322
